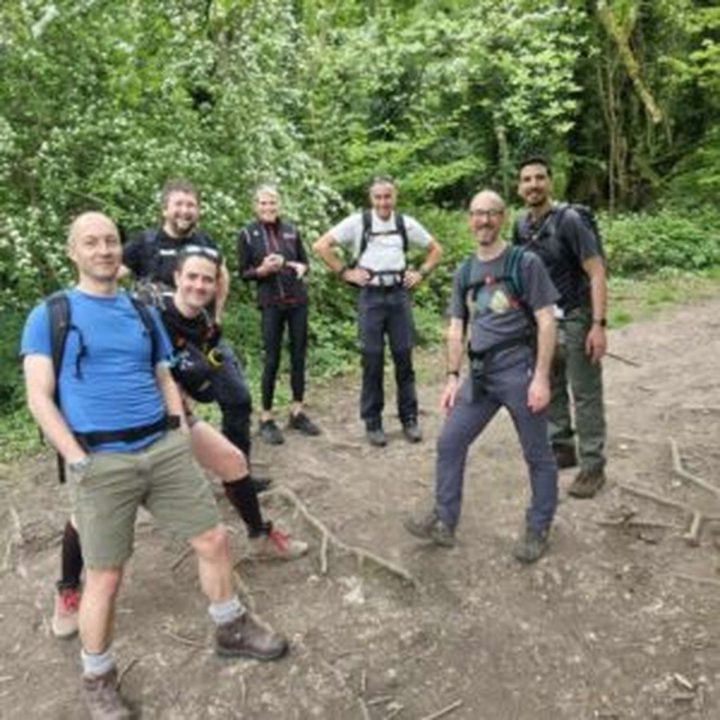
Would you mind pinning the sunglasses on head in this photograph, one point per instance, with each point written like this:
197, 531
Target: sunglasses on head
200, 251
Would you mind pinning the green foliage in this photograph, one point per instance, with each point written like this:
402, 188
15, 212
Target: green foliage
644, 243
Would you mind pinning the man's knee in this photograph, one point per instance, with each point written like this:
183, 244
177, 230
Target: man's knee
104, 582
213, 544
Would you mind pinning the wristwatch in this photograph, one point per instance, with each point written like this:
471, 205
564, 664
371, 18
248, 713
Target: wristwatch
602, 322
79, 466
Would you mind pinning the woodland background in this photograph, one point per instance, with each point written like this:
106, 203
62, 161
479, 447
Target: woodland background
101, 102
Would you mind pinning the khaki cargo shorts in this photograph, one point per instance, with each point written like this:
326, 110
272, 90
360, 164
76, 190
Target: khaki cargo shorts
162, 476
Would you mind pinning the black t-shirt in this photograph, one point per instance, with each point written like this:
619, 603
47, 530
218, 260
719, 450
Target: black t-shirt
199, 331
563, 241
152, 255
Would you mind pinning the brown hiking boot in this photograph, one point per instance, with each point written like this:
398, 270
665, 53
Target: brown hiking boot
587, 483
565, 456
102, 697
246, 637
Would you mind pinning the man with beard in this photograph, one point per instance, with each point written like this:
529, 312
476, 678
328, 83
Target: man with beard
569, 246
152, 257
502, 299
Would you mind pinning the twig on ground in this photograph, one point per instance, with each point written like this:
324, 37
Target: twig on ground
697, 517
323, 554
126, 670
380, 700
697, 579
363, 709
183, 640
622, 359
328, 536
184, 555
445, 711
247, 596
680, 471
363, 681
394, 710
243, 692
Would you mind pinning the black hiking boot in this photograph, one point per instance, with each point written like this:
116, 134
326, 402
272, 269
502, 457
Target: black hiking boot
260, 484
271, 433
565, 456
429, 526
531, 546
375, 434
411, 431
303, 424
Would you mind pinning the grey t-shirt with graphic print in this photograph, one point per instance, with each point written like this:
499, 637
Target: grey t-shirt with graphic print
384, 253
494, 315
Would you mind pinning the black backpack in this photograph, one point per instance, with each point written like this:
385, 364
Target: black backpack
59, 317
368, 234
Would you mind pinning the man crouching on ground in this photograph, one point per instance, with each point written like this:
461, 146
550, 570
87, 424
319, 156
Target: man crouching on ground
115, 416
505, 297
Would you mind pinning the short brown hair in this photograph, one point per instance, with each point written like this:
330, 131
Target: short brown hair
178, 185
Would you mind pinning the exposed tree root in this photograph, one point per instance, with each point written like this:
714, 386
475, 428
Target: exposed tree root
680, 471
327, 537
445, 711
696, 517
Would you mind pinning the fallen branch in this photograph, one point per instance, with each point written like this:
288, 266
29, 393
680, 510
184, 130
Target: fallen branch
183, 640
445, 711
363, 709
697, 517
680, 471
126, 670
244, 590
327, 536
395, 711
624, 360
697, 579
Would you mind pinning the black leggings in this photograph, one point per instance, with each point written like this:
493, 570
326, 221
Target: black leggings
274, 319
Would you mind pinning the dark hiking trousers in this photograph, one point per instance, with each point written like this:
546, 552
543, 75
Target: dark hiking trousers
572, 368
274, 320
381, 312
230, 391
503, 388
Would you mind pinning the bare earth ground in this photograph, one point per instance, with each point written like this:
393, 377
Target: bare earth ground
613, 623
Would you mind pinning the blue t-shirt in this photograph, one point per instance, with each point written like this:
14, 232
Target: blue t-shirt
107, 377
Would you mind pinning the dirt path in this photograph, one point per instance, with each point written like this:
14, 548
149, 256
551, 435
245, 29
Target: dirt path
608, 625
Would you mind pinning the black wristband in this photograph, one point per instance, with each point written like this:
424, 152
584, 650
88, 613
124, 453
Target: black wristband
602, 322
456, 373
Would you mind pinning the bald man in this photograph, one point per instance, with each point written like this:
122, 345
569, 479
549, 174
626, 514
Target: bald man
503, 298
115, 416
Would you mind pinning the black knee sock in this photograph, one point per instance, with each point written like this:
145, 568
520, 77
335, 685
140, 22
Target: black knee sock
243, 497
71, 559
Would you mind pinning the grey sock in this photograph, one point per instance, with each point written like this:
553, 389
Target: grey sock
97, 663
226, 611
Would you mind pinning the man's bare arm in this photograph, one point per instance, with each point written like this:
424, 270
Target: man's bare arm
539, 389
40, 387
596, 340
170, 393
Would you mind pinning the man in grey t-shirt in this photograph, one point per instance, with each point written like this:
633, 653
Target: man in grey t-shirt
378, 241
504, 298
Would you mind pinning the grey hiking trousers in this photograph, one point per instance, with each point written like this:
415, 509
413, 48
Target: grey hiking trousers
506, 387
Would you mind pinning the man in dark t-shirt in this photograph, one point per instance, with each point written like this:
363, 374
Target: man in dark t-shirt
151, 257
570, 249
511, 339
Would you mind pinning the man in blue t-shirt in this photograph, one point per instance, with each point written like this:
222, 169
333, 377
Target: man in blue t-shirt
511, 330
109, 412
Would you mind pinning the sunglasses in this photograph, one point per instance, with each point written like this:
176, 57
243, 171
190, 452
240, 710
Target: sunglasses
200, 251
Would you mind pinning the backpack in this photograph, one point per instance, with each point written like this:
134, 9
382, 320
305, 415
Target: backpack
60, 320
368, 234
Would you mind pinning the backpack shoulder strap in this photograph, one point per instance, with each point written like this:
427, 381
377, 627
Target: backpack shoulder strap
58, 306
366, 231
511, 270
402, 230
148, 323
